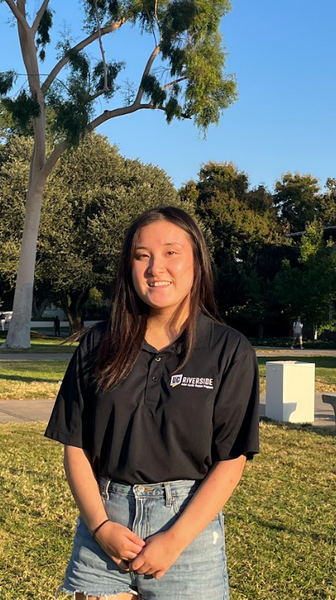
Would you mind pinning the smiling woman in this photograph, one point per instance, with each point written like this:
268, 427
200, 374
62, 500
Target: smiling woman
158, 412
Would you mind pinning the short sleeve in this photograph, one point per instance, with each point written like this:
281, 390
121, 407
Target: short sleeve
236, 413
71, 419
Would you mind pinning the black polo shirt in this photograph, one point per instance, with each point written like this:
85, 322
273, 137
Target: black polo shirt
155, 426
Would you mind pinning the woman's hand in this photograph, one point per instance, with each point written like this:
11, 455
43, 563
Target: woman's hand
158, 555
120, 543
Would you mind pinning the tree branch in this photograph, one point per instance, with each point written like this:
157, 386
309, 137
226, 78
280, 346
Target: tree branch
91, 38
173, 82
51, 161
39, 15
124, 110
17, 14
97, 95
146, 71
101, 47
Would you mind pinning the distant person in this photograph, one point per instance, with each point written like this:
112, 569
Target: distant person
297, 333
2, 321
57, 325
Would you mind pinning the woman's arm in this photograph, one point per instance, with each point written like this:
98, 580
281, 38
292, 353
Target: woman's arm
119, 542
162, 549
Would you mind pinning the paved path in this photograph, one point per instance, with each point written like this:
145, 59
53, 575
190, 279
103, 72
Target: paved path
34, 356
25, 411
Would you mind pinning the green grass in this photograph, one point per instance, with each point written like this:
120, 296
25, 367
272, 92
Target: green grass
280, 522
40, 344
325, 370
29, 379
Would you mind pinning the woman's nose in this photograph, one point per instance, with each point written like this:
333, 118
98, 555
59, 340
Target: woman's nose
155, 265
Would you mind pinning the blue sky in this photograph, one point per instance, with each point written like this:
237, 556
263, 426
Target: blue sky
283, 54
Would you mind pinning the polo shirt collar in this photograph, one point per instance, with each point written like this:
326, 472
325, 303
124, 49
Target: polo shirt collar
204, 327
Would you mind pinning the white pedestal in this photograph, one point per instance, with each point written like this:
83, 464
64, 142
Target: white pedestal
290, 391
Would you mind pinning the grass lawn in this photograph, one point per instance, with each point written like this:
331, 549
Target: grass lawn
39, 344
280, 523
32, 379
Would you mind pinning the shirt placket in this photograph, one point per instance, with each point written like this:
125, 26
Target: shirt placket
155, 372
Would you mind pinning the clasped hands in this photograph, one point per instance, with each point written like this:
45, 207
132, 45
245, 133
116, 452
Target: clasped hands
153, 557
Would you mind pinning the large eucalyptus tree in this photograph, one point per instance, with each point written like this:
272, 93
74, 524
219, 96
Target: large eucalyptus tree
187, 41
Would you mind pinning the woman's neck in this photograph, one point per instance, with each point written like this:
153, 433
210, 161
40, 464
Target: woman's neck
162, 330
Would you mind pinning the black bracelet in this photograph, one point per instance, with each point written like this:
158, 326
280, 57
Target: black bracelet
95, 531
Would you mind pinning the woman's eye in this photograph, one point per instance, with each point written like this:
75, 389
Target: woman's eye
171, 252
141, 256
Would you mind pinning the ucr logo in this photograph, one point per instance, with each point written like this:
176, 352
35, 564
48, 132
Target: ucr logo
176, 380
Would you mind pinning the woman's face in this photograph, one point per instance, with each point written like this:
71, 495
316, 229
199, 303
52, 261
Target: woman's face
163, 267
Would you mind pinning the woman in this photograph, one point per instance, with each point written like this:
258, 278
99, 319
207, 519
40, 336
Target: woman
158, 412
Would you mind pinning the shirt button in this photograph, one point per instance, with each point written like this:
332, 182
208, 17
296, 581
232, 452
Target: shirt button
154, 378
158, 358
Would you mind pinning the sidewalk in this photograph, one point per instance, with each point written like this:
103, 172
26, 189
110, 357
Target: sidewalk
25, 411
40, 410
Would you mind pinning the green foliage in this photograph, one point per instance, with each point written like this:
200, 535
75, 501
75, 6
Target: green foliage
207, 92
7, 80
78, 62
153, 90
173, 109
72, 115
193, 46
23, 110
14, 172
237, 231
297, 200
43, 37
309, 288
112, 71
327, 207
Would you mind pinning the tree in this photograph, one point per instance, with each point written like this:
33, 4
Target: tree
327, 213
187, 39
236, 225
297, 200
309, 288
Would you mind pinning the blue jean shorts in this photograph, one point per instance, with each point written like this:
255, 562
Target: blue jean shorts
199, 572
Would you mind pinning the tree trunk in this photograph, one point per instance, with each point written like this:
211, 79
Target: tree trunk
38, 309
73, 305
260, 331
75, 322
19, 328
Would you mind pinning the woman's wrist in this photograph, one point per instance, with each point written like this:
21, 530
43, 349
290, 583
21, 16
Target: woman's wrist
98, 528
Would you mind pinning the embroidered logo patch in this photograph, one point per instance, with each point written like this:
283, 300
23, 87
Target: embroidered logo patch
194, 382
176, 380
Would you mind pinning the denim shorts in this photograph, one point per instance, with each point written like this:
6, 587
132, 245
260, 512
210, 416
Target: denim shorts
199, 572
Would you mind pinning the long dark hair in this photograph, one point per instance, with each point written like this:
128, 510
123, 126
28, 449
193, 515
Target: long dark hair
127, 325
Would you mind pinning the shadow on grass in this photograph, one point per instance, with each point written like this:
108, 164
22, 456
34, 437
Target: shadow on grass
304, 532
28, 379
301, 427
